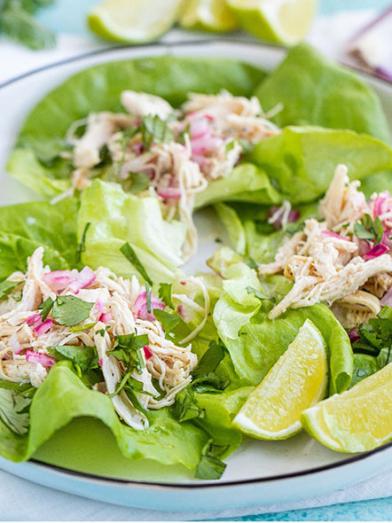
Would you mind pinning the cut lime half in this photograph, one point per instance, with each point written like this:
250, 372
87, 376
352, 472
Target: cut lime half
296, 381
279, 21
207, 15
133, 21
358, 420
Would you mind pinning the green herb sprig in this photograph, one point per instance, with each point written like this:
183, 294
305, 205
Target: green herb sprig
133, 258
210, 465
369, 229
18, 23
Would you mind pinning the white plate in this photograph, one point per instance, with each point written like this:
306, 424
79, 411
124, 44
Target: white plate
259, 472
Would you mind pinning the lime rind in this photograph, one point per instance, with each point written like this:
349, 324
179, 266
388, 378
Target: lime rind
247, 426
275, 21
136, 26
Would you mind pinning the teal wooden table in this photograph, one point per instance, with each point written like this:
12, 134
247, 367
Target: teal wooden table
63, 18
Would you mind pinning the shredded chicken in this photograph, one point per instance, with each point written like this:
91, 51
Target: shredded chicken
119, 307
329, 266
343, 204
206, 140
357, 308
142, 104
99, 128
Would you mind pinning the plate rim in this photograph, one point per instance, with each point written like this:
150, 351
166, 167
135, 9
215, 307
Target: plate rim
191, 42
231, 483
188, 485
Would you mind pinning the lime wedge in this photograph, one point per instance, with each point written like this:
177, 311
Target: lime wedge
207, 15
296, 381
278, 21
357, 420
135, 21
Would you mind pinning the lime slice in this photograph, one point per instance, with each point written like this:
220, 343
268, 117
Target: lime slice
207, 15
297, 381
357, 420
279, 21
135, 21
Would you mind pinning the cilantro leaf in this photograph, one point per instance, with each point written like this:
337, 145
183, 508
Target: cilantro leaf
122, 384
210, 359
154, 129
211, 382
369, 229
168, 320
132, 257
377, 332
69, 310
82, 244
45, 308
133, 397
81, 356
186, 407
127, 350
165, 294
132, 342
375, 341
210, 465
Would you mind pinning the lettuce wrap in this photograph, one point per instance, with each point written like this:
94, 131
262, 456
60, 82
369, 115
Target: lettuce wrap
30, 416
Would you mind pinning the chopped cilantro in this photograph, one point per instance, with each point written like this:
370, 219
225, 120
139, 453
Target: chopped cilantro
154, 129
210, 359
103, 331
186, 407
127, 350
168, 320
132, 257
46, 307
210, 465
82, 244
369, 229
211, 382
69, 310
83, 357
165, 294
375, 338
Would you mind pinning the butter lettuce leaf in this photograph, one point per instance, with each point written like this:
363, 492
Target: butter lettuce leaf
116, 217
255, 343
247, 182
314, 91
219, 412
301, 161
26, 226
63, 397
